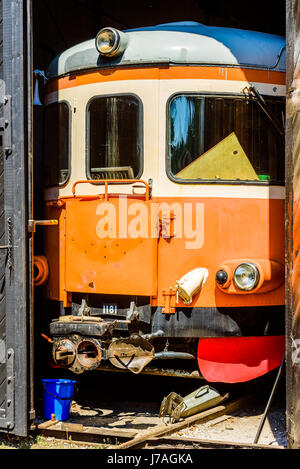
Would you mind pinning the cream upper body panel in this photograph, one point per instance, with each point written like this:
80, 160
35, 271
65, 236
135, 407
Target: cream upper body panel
79, 97
154, 95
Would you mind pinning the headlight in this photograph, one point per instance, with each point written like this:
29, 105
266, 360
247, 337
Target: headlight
110, 41
246, 276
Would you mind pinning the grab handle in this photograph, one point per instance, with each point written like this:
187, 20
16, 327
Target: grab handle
106, 182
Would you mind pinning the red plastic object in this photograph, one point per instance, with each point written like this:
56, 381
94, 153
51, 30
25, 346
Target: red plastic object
239, 359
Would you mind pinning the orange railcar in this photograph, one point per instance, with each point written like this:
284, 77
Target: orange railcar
164, 156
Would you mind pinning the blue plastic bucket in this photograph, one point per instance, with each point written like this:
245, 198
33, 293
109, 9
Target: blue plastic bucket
58, 394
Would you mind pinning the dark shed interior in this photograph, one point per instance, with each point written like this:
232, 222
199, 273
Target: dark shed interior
58, 24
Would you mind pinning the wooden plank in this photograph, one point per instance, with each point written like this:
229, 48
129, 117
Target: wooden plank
77, 427
47, 424
112, 432
202, 417
56, 426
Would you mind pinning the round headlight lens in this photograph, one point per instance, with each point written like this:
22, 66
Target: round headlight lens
107, 41
246, 276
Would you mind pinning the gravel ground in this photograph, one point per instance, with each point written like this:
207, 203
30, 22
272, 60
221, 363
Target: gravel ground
41, 443
242, 428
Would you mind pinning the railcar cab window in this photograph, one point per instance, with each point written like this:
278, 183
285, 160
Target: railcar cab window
224, 138
56, 144
114, 137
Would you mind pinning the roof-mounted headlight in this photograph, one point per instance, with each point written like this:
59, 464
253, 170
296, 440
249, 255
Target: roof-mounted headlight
110, 41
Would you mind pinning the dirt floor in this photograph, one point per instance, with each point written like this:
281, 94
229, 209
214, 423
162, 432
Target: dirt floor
109, 401
241, 427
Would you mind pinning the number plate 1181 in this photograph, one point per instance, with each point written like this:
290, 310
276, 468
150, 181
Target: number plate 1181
110, 309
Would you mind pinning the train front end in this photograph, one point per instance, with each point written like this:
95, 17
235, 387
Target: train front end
164, 158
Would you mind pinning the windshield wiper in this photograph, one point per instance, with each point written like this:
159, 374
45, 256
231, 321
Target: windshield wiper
251, 92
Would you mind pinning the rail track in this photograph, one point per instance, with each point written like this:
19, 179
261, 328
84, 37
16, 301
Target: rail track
160, 436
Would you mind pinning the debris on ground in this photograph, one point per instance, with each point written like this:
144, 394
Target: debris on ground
242, 428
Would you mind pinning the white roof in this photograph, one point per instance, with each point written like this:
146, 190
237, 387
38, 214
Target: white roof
180, 43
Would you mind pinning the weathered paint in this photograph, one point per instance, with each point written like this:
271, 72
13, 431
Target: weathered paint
293, 223
229, 229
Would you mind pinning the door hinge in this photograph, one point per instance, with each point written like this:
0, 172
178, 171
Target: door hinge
7, 416
166, 225
5, 124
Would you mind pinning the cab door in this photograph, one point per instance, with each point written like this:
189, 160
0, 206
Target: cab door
110, 243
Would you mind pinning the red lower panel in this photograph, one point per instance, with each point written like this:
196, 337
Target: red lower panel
238, 359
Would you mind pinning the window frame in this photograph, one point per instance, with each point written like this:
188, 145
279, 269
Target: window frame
209, 181
87, 132
63, 101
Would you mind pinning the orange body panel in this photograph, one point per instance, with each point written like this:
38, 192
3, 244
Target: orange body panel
231, 228
111, 265
167, 73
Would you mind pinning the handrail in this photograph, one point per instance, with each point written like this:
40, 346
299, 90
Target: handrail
106, 182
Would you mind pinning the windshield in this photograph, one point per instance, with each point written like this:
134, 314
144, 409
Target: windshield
224, 138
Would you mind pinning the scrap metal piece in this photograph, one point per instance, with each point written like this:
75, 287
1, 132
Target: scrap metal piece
203, 398
169, 404
133, 353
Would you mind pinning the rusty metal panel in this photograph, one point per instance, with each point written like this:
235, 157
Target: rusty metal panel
293, 224
98, 264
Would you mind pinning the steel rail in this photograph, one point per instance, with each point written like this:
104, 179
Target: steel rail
199, 443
